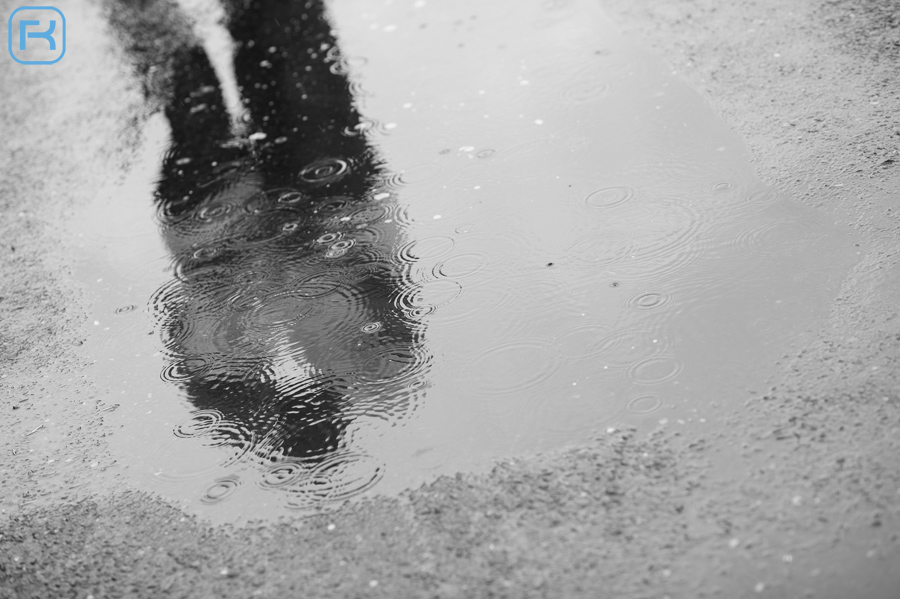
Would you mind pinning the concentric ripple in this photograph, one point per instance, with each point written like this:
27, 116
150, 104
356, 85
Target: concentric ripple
200, 423
599, 249
426, 248
513, 366
609, 197
760, 196
184, 369
336, 479
324, 171
419, 300
659, 239
233, 442
220, 489
586, 89
214, 212
461, 266
581, 341
419, 173
655, 370
624, 347
648, 300
290, 198
777, 234
644, 404
282, 475
398, 364
283, 308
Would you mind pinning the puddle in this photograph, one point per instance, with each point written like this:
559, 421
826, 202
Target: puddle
450, 235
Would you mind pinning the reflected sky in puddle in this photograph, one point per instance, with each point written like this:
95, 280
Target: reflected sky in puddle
471, 232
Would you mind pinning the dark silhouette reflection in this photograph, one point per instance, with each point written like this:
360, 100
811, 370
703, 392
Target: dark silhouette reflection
287, 316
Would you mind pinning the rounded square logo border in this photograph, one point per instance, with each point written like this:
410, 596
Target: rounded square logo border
10, 35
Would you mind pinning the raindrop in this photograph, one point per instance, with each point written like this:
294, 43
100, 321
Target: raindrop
188, 272
200, 423
461, 266
512, 367
644, 404
485, 153
609, 197
581, 341
176, 373
648, 300
655, 370
365, 124
344, 244
370, 214
324, 171
417, 301
331, 204
625, 347
291, 197
329, 238
724, 186
205, 253
599, 249
760, 196
396, 364
371, 327
344, 64
174, 332
336, 479
220, 489
419, 173
214, 212
420, 312
663, 238
126, 309
426, 248
284, 474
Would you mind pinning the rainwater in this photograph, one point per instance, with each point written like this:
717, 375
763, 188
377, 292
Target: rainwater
467, 231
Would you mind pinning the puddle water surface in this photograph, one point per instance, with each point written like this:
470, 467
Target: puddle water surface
422, 238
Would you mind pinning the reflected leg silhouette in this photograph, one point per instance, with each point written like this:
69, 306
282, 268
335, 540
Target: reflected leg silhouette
282, 324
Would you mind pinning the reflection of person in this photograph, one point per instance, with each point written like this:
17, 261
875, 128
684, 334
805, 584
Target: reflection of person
282, 314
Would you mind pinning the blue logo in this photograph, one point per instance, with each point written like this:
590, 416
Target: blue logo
37, 35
